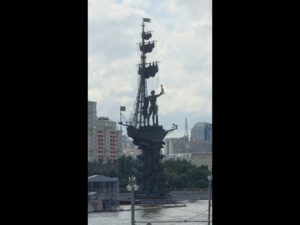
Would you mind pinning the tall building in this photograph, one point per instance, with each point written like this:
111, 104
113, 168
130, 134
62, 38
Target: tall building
175, 146
201, 131
200, 141
108, 143
200, 146
92, 132
181, 146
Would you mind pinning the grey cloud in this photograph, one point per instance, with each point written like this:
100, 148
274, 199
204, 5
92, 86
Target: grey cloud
183, 47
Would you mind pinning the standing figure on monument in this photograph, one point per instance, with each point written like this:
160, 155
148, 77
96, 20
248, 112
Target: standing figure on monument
153, 106
145, 109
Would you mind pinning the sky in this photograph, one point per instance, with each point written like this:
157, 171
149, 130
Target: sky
183, 31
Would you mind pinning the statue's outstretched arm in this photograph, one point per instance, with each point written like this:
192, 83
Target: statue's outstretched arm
161, 92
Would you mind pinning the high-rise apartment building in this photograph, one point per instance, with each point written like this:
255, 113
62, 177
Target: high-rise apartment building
201, 131
92, 132
175, 146
108, 141
104, 140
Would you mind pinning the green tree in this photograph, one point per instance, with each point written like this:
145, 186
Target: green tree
179, 174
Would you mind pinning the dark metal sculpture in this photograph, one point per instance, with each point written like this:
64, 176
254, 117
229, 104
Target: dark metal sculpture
148, 138
153, 106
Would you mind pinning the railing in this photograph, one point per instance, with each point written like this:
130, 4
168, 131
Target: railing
173, 221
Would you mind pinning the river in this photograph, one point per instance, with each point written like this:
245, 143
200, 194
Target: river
194, 211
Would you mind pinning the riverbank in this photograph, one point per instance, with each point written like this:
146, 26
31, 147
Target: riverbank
189, 195
152, 207
175, 196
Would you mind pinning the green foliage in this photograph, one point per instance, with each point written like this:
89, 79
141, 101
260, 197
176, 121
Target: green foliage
179, 174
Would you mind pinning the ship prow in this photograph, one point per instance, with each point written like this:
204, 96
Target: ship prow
146, 135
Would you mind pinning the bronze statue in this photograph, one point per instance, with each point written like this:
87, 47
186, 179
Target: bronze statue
149, 139
153, 106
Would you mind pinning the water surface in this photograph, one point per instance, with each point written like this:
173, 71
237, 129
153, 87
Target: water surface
194, 211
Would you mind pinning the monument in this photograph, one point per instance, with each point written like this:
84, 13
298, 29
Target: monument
147, 134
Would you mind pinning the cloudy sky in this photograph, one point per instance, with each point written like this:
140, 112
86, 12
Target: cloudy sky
183, 31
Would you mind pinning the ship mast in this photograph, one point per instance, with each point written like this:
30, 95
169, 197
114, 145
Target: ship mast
144, 72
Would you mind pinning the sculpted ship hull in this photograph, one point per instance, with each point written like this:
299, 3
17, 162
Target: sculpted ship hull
150, 140
145, 136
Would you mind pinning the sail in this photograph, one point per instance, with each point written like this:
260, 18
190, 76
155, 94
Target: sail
147, 48
149, 71
146, 35
146, 70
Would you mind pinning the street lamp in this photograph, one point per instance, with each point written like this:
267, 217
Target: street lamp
209, 196
132, 187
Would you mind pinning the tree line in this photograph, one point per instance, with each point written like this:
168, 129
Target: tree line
179, 174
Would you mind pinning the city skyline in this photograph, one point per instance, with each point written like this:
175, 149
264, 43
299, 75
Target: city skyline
183, 33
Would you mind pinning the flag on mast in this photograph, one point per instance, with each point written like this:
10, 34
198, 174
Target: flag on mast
146, 20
